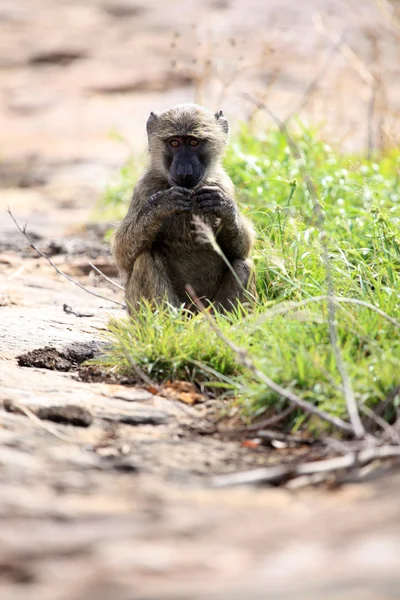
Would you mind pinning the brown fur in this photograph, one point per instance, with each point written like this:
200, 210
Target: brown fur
156, 247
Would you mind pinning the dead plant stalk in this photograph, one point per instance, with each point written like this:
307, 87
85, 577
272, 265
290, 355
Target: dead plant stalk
281, 473
245, 360
348, 391
59, 271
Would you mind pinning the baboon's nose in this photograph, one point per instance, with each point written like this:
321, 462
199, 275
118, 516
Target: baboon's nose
185, 170
186, 175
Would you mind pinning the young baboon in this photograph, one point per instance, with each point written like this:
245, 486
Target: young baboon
157, 247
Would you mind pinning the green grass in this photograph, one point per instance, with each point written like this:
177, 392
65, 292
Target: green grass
360, 201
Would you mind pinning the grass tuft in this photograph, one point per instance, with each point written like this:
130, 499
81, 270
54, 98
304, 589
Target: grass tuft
171, 344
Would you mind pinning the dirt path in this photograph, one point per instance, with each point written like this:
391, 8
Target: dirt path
108, 495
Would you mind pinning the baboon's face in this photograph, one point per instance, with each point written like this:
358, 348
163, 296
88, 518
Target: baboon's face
185, 159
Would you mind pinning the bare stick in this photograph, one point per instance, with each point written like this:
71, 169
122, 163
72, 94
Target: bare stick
106, 278
382, 406
348, 53
372, 104
206, 233
247, 362
388, 429
150, 383
52, 430
285, 307
70, 279
348, 391
389, 12
370, 120
283, 472
261, 424
140, 373
312, 86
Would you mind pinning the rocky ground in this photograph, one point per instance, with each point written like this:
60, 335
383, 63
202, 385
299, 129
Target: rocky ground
106, 489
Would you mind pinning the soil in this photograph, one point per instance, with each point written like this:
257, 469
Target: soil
106, 487
58, 360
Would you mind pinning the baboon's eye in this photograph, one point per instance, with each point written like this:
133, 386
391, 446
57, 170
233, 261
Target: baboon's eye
194, 142
174, 143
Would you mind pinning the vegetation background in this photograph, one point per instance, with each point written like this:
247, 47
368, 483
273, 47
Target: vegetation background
327, 221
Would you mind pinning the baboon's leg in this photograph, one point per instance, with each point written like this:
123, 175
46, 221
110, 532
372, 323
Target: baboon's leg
231, 291
149, 280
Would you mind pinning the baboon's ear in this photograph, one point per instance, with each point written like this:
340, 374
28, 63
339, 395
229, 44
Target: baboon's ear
219, 115
151, 122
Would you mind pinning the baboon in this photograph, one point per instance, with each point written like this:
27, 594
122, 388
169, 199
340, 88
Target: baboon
157, 247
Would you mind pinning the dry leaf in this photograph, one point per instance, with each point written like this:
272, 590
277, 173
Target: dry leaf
152, 390
252, 444
184, 391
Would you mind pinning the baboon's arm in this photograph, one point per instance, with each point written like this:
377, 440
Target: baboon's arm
139, 228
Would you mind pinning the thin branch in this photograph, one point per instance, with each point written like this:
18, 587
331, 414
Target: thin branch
70, 279
261, 424
246, 361
153, 385
389, 12
31, 415
388, 401
370, 119
107, 278
140, 374
372, 104
348, 53
391, 433
281, 473
340, 446
285, 307
206, 234
312, 86
348, 391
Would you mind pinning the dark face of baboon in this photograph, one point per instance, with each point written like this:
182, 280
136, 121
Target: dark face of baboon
186, 142
185, 161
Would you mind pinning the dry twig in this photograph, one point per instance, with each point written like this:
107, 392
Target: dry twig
313, 85
52, 430
281, 473
246, 361
285, 307
117, 285
141, 375
261, 424
390, 431
68, 277
348, 391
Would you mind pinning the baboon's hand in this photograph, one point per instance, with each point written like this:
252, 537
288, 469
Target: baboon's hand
174, 201
211, 199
